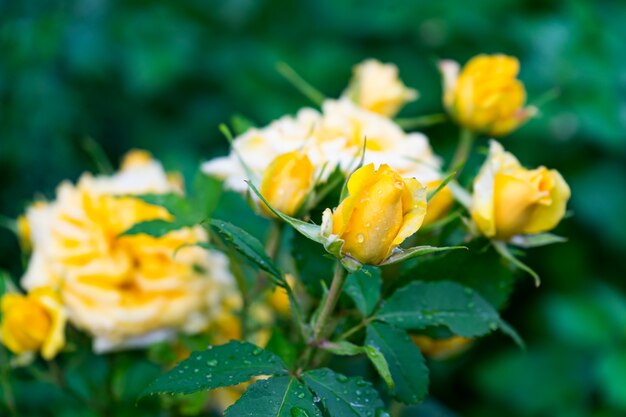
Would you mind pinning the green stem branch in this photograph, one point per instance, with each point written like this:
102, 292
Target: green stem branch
466, 141
421, 121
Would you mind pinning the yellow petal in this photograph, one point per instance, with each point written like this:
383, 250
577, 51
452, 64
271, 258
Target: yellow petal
414, 206
546, 217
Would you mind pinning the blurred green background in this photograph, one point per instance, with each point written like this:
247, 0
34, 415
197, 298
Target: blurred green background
161, 75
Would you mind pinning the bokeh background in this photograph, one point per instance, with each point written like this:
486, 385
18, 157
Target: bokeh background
161, 75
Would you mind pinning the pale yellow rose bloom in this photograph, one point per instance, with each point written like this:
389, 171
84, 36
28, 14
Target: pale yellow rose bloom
510, 200
33, 322
441, 348
485, 96
126, 291
381, 211
330, 139
286, 182
440, 204
376, 87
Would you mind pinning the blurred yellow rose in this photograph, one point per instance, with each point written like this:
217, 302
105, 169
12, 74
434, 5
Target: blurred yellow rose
509, 200
382, 210
33, 322
376, 87
441, 348
485, 96
286, 182
440, 204
130, 290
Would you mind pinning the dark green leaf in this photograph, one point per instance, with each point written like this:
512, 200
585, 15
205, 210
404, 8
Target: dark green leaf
279, 396
218, 366
423, 304
343, 396
154, 228
176, 204
480, 268
373, 354
400, 254
406, 363
248, 246
364, 289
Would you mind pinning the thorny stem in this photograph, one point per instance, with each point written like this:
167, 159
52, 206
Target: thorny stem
466, 140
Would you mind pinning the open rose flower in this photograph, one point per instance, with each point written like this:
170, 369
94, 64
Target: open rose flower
125, 290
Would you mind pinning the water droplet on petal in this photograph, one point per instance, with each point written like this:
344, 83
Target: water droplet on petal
360, 238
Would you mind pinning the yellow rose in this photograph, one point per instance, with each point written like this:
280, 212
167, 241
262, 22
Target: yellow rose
286, 182
126, 291
440, 204
376, 87
382, 210
509, 200
485, 96
441, 348
33, 322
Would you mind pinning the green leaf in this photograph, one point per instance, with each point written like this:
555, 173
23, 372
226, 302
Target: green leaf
343, 396
534, 241
399, 254
218, 366
154, 228
423, 304
176, 204
380, 363
249, 247
363, 287
480, 268
406, 363
373, 354
279, 396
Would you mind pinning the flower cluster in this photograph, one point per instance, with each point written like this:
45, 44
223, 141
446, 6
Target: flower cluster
131, 260
124, 290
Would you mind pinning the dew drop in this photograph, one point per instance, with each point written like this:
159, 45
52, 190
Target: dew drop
360, 238
342, 378
301, 395
257, 351
212, 362
299, 412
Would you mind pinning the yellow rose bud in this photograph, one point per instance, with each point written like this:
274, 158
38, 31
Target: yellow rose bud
376, 87
278, 298
34, 322
485, 96
441, 348
381, 211
509, 200
287, 181
440, 204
